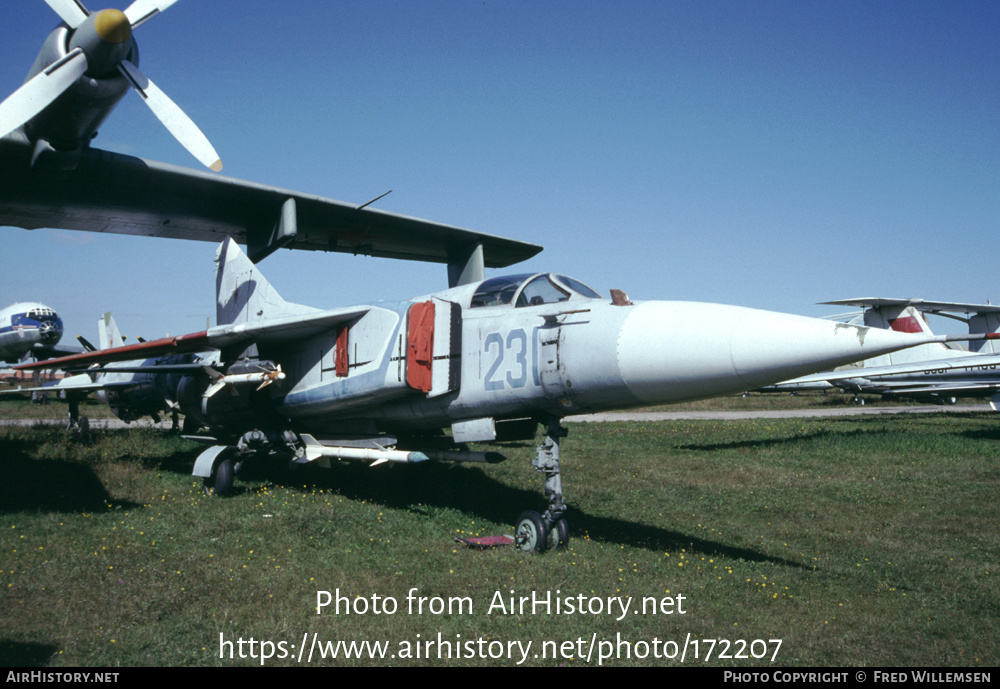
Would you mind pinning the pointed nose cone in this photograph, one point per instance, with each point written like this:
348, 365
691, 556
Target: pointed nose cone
675, 351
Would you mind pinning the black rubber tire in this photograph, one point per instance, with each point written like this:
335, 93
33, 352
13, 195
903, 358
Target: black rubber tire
221, 481
83, 428
558, 535
530, 533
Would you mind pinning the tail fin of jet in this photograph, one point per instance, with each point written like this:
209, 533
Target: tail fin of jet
243, 294
904, 319
108, 334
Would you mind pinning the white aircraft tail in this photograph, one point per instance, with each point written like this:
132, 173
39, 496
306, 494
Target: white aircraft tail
243, 294
904, 319
108, 334
984, 323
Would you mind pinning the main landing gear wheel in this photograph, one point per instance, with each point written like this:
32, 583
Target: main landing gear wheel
221, 481
531, 535
83, 429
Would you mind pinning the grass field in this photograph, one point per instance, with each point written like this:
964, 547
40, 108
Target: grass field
21, 407
853, 541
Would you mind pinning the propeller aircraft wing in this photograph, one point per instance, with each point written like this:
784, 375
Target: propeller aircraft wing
939, 307
51, 177
109, 192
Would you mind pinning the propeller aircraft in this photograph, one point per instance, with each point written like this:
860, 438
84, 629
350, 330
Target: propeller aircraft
485, 361
132, 389
87, 64
51, 177
28, 328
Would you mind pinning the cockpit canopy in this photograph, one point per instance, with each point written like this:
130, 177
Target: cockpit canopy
530, 289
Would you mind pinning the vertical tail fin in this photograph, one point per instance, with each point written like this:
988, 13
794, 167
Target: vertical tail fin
108, 335
984, 323
904, 319
242, 293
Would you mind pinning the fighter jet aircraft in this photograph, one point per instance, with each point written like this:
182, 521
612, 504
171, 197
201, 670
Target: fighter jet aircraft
487, 360
28, 328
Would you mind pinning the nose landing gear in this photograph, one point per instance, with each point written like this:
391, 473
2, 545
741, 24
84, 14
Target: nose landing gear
536, 533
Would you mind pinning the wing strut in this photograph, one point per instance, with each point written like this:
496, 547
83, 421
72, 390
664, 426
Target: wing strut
283, 234
467, 268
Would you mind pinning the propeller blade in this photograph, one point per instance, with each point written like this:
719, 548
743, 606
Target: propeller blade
42, 89
141, 11
172, 117
72, 12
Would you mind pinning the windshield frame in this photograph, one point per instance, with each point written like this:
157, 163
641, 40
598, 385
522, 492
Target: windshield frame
509, 290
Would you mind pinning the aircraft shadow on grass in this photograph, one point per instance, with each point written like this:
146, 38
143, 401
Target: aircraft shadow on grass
20, 654
471, 490
765, 443
59, 485
49, 485
69, 486
824, 434
992, 434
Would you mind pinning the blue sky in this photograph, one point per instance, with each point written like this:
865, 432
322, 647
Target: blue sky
768, 154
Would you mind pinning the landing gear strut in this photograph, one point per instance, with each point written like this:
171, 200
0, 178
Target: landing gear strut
535, 533
77, 424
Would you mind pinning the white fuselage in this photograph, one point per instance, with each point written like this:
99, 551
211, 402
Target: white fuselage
25, 327
579, 354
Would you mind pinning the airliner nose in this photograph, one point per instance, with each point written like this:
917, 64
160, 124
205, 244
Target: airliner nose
673, 351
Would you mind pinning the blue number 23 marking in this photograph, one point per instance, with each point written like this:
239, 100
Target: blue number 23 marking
516, 346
